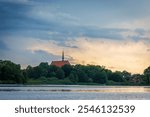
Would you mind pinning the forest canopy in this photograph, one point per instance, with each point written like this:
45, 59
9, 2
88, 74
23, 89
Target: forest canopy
11, 73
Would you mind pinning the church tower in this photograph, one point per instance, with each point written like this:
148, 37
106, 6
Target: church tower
63, 55
61, 62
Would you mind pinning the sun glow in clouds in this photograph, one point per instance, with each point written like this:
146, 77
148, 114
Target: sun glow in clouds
113, 54
114, 34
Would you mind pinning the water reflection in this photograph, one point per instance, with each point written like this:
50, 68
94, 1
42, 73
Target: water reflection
73, 92
75, 88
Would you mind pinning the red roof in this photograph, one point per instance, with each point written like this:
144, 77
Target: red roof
60, 63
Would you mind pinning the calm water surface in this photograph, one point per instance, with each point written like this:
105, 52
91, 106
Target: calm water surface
73, 92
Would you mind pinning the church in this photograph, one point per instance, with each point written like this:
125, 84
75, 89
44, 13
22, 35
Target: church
61, 63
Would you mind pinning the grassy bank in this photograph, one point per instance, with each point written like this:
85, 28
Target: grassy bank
66, 81
56, 81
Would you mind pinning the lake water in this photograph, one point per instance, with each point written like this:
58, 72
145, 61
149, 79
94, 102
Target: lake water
73, 92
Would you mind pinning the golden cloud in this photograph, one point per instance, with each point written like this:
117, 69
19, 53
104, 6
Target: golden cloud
114, 54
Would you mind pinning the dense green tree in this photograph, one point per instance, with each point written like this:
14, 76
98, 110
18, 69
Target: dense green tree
82, 76
52, 71
25, 76
90, 70
73, 77
147, 74
67, 69
10, 72
108, 73
29, 71
126, 75
60, 73
136, 79
116, 76
100, 77
37, 71
43, 69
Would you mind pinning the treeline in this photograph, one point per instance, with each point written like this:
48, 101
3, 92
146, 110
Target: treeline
11, 73
69, 74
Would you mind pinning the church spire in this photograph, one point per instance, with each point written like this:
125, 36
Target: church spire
63, 55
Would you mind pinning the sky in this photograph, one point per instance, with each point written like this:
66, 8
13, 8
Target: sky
110, 33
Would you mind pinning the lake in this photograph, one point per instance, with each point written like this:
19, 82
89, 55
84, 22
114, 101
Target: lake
73, 92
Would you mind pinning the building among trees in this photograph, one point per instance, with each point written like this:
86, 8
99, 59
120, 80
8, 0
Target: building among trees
60, 63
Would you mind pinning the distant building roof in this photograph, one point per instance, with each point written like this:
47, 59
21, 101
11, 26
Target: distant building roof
60, 63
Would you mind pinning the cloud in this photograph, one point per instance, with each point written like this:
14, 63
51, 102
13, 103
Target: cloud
15, 1
3, 46
18, 51
140, 23
49, 23
138, 29
33, 31
122, 55
126, 54
50, 14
